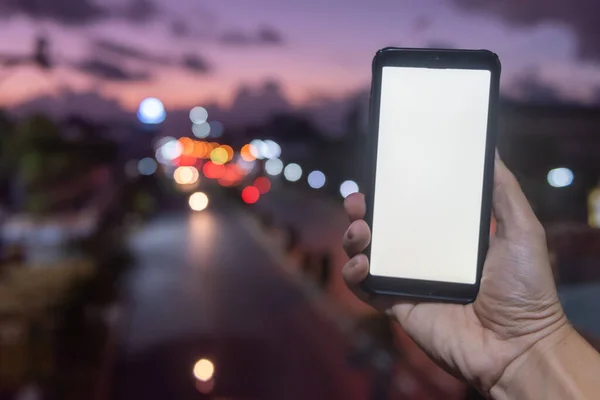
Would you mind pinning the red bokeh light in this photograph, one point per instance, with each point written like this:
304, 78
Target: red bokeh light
250, 195
263, 184
213, 171
232, 176
185, 161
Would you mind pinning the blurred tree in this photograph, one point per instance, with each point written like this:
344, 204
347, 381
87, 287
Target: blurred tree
293, 127
46, 167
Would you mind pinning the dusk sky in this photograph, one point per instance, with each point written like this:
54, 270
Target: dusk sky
314, 48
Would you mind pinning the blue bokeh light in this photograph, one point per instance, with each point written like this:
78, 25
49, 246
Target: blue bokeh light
151, 111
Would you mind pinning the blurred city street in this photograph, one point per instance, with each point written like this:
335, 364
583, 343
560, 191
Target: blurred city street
172, 178
203, 287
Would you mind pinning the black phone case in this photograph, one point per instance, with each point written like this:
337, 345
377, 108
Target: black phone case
431, 58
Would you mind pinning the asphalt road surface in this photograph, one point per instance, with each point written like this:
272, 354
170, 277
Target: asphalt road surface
203, 287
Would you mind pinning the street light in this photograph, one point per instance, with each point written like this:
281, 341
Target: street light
151, 111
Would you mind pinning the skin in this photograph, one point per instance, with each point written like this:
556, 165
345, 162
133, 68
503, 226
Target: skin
516, 313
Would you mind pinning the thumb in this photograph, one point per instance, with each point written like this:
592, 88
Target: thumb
511, 209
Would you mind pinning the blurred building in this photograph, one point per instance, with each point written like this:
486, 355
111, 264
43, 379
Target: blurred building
533, 140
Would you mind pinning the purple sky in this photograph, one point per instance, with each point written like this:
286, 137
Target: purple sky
313, 47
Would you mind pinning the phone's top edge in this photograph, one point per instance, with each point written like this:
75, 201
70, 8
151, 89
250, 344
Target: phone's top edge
423, 49
407, 50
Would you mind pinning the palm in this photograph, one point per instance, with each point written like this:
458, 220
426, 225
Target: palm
516, 306
479, 337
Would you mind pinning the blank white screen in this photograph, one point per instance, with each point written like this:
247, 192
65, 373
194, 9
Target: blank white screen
429, 180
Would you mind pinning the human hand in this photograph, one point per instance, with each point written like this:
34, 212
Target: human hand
516, 309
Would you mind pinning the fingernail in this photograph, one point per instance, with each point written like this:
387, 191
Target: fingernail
350, 235
497, 155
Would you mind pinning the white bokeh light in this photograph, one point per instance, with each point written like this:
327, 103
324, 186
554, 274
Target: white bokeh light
151, 111
274, 166
292, 172
347, 188
316, 179
201, 130
198, 115
560, 177
271, 149
198, 201
258, 148
171, 150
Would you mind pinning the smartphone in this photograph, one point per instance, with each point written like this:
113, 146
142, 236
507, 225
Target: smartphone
429, 171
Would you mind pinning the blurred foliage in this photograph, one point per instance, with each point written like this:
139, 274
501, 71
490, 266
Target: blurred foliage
39, 158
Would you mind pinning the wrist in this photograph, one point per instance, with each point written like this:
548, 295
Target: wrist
525, 374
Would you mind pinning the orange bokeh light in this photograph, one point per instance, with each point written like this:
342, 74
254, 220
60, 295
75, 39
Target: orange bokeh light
246, 154
187, 146
200, 149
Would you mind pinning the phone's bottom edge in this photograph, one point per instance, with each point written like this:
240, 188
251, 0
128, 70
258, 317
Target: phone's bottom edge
421, 297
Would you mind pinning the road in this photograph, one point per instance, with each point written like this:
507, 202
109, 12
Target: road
205, 287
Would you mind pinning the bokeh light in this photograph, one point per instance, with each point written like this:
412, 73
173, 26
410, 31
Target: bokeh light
247, 166
198, 202
247, 152
147, 166
186, 175
250, 195
274, 166
171, 150
187, 146
233, 175
271, 149
213, 171
160, 142
219, 156
258, 148
198, 115
263, 184
316, 179
151, 111
200, 149
229, 151
347, 188
202, 130
216, 129
292, 172
560, 177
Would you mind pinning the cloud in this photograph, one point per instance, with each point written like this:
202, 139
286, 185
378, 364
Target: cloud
78, 12
108, 71
264, 36
531, 87
109, 49
195, 63
579, 15
112, 48
422, 23
269, 36
139, 11
180, 29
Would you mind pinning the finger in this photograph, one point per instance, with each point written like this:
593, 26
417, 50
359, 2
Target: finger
512, 211
357, 238
355, 206
354, 273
